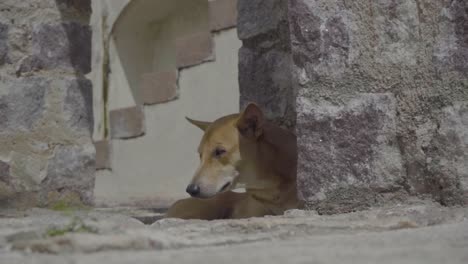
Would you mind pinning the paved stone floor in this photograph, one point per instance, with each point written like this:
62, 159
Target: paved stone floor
422, 232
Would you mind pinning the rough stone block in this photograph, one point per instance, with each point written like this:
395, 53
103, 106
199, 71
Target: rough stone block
320, 38
23, 104
272, 72
258, 17
194, 49
27, 171
451, 47
103, 154
447, 156
60, 46
347, 153
71, 168
3, 43
6, 189
159, 87
5, 172
223, 14
397, 27
78, 106
265, 61
79, 5
127, 122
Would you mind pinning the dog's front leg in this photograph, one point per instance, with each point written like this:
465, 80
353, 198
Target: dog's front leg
219, 207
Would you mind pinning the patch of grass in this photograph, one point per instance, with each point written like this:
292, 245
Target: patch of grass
76, 226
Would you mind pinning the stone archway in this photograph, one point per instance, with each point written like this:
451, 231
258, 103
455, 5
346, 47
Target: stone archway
153, 63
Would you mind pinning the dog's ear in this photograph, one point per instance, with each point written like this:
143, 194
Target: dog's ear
250, 123
200, 124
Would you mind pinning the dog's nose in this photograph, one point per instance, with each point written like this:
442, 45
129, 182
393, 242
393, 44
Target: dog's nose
193, 189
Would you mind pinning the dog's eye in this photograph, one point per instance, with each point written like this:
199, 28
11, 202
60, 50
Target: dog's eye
218, 152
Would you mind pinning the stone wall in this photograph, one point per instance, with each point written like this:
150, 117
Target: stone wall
153, 63
46, 119
265, 60
377, 92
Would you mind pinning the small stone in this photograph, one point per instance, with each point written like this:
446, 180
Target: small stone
127, 122
79, 5
194, 49
451, 47
159, 87
223, 14
103, 154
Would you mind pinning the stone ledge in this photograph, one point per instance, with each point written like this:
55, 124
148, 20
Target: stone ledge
127, 122
159, 87
223, 14
194, 49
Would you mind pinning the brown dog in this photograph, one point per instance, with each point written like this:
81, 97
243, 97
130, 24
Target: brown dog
241, 150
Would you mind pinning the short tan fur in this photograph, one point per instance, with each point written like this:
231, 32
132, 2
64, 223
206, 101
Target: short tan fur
241, 150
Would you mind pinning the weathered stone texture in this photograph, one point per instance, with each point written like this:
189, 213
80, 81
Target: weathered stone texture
451, 49
265, 59
415, 53
223, 14
340, 50
346, 149
127, 122
27, 171
62, 45
270, 70
22, 104
259, 17
194, 49
447, 156
103, 154
159, 87
45, 102
77, 6
6, 189
72, 168
3, 43
78, 114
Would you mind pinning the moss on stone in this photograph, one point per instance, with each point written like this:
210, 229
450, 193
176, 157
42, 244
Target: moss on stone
65, 202
76, 226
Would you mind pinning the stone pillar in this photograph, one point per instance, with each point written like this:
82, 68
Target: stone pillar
265, 59
380, 92
46, 154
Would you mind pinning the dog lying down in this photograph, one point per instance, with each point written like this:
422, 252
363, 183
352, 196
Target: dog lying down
241, 150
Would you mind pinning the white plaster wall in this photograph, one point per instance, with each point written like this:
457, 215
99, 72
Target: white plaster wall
142, 40
158, 166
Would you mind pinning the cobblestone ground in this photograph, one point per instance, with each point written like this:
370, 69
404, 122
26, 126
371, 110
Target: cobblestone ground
422, 232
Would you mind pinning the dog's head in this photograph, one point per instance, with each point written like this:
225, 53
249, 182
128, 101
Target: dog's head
220, 157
